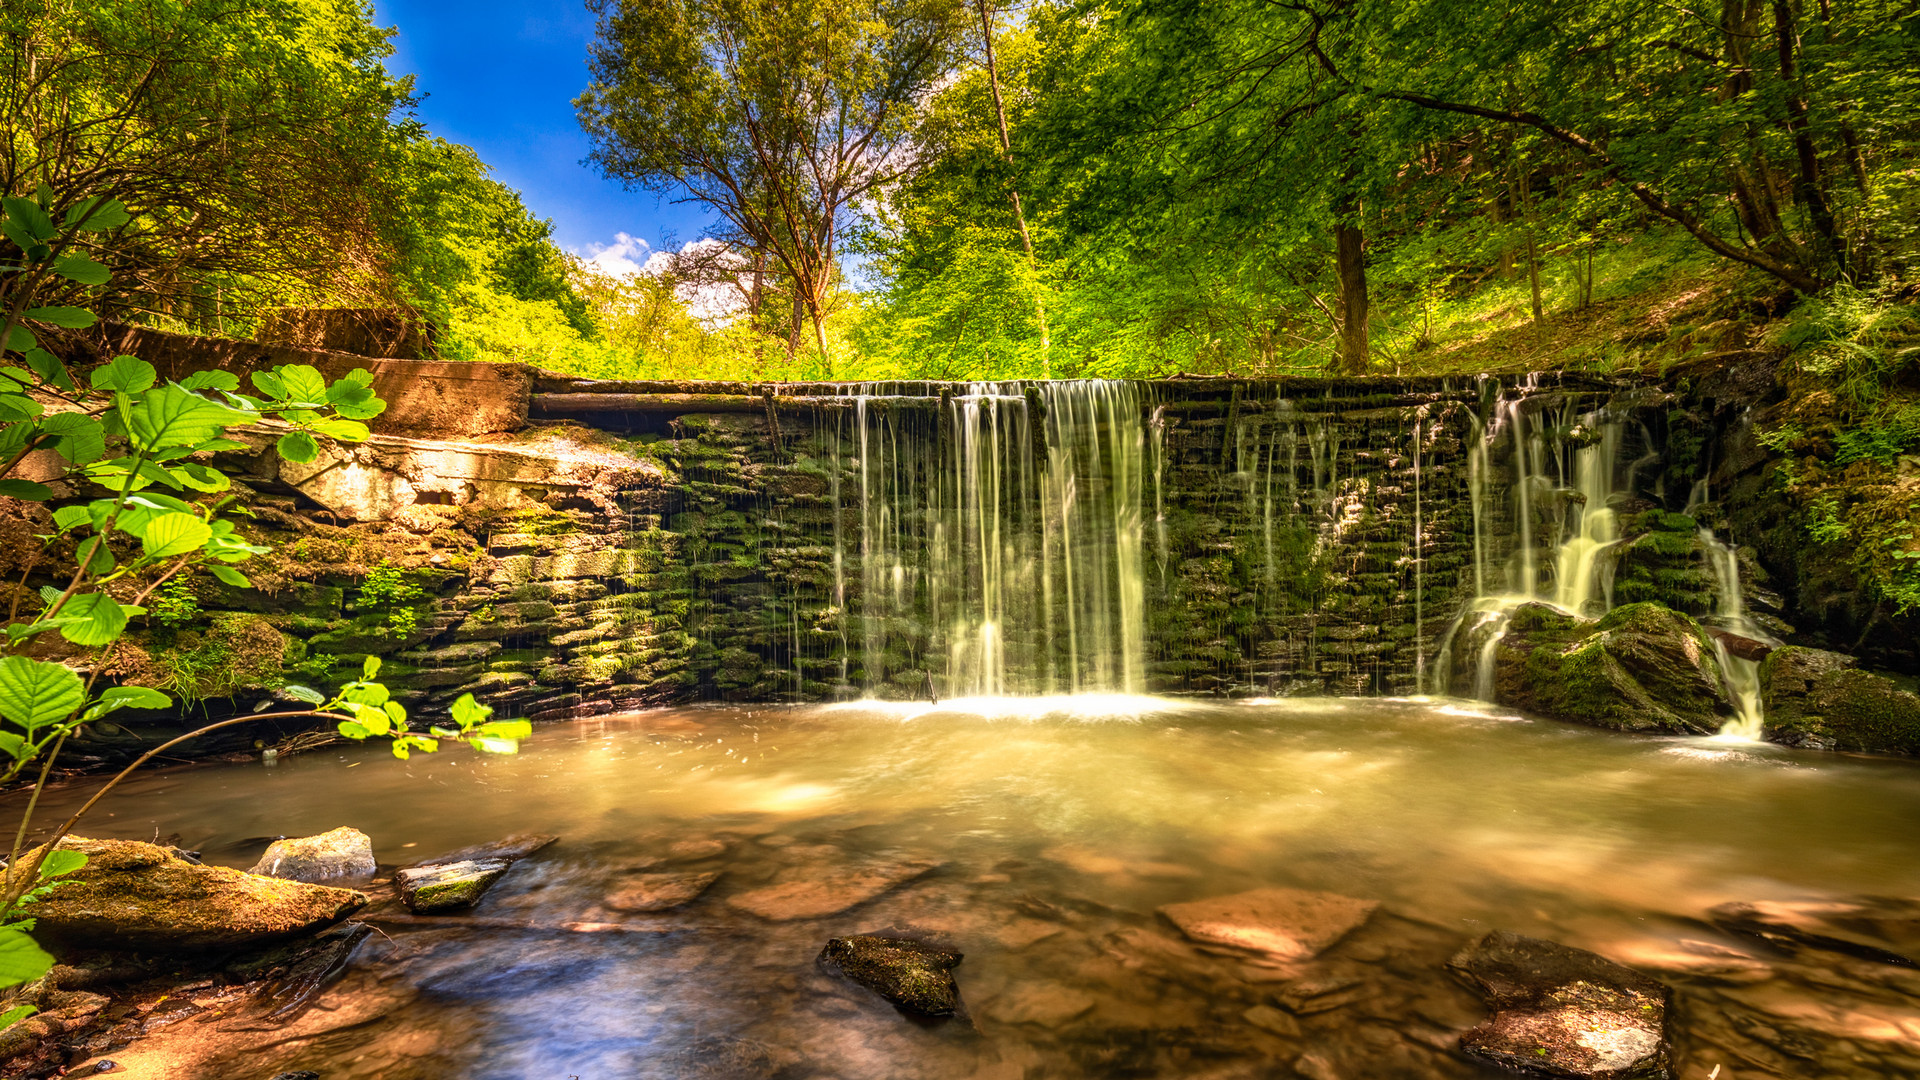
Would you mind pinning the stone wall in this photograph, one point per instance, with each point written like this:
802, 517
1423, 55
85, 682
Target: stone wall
566, 568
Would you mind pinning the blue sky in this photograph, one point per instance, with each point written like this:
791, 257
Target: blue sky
501, 77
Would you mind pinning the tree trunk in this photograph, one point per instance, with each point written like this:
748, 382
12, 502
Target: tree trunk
1013, 191
1809, 187
1350, 262
1525, 187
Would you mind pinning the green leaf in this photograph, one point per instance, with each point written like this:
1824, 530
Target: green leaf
400, 749
98, 214
20, 959
370, 667
303, 383
135, 697
35, 693
59, 862
25, 489
79, 268
304, 693
68, 518
67, 318
201, 478
15, 1015
468, 712
298, 447
17, 407
497, 746
13, 745
172, 535
344, 430
48, 367
506, 729
21, 339
217, 380
397, 713
269, 384
128, 374
228, 575
353, 730
97, 619
376, 722
77, 437
170, 416
31, 217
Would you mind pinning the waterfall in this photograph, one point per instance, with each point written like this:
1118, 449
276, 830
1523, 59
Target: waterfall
1000, 539
1560, 486
1742, 674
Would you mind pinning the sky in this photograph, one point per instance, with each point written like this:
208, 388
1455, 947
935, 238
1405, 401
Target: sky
501, 77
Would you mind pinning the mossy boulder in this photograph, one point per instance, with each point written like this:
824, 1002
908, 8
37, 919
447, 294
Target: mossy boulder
1824, 701
144, 898
1642, 667
911, 974
449, 886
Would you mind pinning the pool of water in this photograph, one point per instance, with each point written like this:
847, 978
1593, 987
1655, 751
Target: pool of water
1055, 829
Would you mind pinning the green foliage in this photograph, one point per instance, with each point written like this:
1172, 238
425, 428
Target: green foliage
389, 589
176, 604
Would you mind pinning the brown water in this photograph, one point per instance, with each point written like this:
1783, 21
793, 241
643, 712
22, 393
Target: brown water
1059, 825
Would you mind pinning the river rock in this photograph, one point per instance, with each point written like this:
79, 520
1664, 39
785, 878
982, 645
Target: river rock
813, 893
1824, 701
658, 892
1563, 1011
512, 848
448, 886
341, 854
141, 897
1641, 667
1882, 929
1284, 924
911, 974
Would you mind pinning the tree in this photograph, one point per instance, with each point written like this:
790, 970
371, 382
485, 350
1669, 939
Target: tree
245, 141
782, 115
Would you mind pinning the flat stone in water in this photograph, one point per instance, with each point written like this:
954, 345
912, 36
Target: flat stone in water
340, 854
1046, 1004
1287, 924
911, 974
512, 848
658, 892
447, 886
815, 894
1564, 1011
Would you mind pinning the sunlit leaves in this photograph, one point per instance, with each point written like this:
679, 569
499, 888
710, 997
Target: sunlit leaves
34, 693
127, 374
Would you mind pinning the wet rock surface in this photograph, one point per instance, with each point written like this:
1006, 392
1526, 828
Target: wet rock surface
448, 886
658, 892
1824, 701
343, 854
141, 897
1561, 1011
911, 974
1641, 667
813, 893
1282, 924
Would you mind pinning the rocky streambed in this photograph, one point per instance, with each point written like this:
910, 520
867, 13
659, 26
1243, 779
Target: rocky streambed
1052, 888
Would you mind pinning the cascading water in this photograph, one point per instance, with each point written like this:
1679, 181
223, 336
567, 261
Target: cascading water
1560, 488
1000, 538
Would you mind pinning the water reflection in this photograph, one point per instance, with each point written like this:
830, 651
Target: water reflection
1058, 825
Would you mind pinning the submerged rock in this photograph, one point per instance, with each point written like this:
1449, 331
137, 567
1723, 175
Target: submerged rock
141, 897
1562, 1011
658, 892
512, 848
1642, 667
1822, 701
911, 974
340, 854
1285, 924
817, 893
1885, 930
448, 886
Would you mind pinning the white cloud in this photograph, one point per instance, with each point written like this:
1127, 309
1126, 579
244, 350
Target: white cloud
713, 302
625, 257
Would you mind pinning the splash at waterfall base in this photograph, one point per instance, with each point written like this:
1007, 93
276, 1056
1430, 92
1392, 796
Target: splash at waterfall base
628, 544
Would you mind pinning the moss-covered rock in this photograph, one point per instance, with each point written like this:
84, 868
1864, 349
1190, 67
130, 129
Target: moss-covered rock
449, 886
911, 974
145, 898
1824, 701
1642, 667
